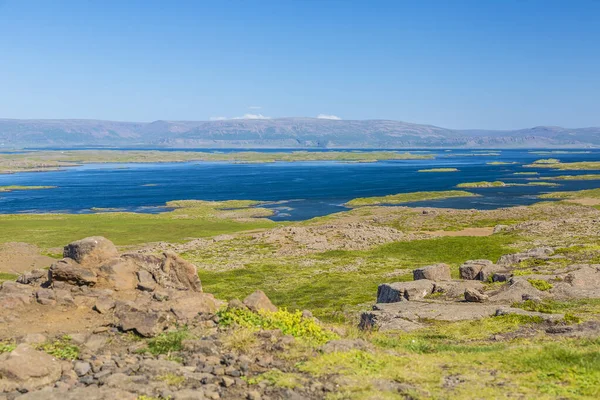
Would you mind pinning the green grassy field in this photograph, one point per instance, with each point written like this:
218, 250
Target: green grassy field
407, 198
191, 220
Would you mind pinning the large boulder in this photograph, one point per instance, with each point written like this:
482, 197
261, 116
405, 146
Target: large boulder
91, 251
258, 301
436, 272
144, 322
66, 270
27, 369
402, 291
475, 296
472, 268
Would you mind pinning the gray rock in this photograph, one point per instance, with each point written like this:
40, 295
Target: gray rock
341, 345
475, 296
34, 276
145, 323
146, 281
104, 304
436, 272
471, 269
81, 368
27, 369
258, 301
91, 251
67, 270
402, 291
45, 297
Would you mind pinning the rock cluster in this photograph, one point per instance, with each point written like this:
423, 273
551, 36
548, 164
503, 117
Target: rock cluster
434, 295
148, 295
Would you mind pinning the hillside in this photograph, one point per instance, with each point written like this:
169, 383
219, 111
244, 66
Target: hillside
280, 133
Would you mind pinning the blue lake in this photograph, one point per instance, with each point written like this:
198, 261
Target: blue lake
301, 189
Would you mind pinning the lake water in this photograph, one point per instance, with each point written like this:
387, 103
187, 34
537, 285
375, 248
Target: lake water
301, 190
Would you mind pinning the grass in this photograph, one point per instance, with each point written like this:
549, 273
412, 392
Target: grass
189, 219
167, 343
5, 276
501, 163
7, 346
572, 166
172, 379
586, 177
407, 198
61, 348
52, 160
439, 170
290, 323
17, 187
486, 184
335, 284
278, 378
481, 184
578, 194
540, 284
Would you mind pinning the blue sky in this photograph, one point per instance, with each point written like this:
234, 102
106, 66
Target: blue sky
458, 64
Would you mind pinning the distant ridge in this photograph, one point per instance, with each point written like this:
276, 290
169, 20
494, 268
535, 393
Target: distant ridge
281, 133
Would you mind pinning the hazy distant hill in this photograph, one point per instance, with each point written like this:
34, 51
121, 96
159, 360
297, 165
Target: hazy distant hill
280, 133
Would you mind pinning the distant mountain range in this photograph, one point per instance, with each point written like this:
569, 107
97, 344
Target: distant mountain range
280, 133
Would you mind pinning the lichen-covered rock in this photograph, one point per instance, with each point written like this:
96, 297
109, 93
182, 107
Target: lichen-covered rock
402, 291
91, 251
258, 301
436, 272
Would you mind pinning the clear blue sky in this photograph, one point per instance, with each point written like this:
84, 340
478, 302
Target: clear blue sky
457, 64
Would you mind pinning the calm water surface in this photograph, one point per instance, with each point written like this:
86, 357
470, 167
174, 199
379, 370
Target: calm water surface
301, 189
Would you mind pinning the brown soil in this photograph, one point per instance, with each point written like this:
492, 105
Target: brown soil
17, 257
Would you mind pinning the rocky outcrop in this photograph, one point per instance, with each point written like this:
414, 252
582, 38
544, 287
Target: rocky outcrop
404, 291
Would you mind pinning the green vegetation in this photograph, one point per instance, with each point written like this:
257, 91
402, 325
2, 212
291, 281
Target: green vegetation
586, 177
290, 323
481, 184
189, 219
171, 379
526, 173
167, 343
5, 276
61, 348
439, 170
486, 184
540, 284
16, 187
556, 164
335, 284
502, 163
407, 198
278, 378
578, 194
7, 346
52, 160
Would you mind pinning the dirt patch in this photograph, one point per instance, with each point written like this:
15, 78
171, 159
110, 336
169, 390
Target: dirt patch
586, 201
464, 232
20, 257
